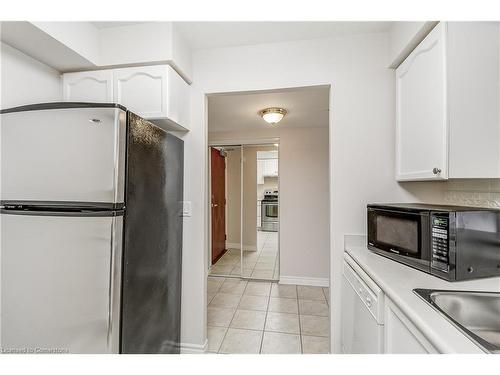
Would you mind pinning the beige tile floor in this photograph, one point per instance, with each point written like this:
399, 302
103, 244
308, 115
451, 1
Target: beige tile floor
246, 317
261, 264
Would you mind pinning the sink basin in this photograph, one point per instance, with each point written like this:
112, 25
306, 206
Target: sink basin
476, 314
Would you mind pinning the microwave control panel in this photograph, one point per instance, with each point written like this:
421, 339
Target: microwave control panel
440, 248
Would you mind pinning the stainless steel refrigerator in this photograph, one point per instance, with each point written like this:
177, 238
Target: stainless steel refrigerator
91, 231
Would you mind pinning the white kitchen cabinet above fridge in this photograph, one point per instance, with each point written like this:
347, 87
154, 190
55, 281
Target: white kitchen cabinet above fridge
447, 95
156, 93
94, 86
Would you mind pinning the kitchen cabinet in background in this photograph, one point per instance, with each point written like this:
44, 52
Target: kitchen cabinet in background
260, 171
270, 167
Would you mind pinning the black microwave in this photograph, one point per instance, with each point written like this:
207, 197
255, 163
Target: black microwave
450, 242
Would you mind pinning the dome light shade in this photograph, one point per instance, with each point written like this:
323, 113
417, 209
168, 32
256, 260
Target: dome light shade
273, 115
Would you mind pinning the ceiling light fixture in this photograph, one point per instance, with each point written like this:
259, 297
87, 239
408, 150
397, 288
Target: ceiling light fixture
273, 115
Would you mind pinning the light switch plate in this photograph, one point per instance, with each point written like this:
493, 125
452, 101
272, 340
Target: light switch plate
186, 208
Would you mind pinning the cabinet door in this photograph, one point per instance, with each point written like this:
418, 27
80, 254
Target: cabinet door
274, 167
95, 86
260, 171
142, 90
401, 336
421, 111
271, 167
473, 99
156, 93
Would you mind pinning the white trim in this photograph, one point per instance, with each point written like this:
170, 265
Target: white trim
242, 188
254, 141
209, 200
309, 281
187, 348
225, 203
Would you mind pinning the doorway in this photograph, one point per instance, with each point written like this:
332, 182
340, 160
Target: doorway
244, 211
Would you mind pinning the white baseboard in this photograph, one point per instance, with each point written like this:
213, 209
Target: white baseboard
194, 348
231, 245
309, 281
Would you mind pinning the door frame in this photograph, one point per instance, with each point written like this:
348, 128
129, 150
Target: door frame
238, 143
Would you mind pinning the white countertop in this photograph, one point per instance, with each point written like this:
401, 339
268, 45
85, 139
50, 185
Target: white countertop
398, 281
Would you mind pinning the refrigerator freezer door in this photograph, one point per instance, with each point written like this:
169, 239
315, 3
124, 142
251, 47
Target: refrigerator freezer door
63, 155
152, 269
60, 283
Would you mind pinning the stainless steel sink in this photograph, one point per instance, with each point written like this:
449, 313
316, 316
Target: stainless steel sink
476, 314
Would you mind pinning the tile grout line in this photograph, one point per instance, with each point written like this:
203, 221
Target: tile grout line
229, 326
265, 320
300, 324
217, 291
326, 298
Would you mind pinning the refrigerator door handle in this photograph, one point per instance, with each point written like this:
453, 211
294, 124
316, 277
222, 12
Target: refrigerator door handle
113, 335
61, 211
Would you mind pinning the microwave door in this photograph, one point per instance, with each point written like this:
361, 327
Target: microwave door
402, 236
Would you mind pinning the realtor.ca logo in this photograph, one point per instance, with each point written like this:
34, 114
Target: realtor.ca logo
34, 350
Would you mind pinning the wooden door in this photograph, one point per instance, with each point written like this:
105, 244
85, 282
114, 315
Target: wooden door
218, 202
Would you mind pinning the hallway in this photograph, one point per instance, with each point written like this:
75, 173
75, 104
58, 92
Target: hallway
260, 264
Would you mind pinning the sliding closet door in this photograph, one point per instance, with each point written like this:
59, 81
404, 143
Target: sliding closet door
260, 218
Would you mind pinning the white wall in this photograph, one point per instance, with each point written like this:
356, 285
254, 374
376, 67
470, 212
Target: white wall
304, 198
25, 80
361, 142
82, 37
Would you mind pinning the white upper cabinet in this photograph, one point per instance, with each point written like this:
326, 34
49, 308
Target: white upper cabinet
270, 167
421, 111
93, 86
142, 90
260, 171
474, 100
447, 99
156, 93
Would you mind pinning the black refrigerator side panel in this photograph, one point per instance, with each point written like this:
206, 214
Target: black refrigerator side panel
152, 261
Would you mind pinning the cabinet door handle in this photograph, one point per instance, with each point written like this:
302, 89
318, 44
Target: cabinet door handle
436, 170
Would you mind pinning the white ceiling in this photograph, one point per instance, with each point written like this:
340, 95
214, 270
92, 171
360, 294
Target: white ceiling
307, 107
109, 24
224, 34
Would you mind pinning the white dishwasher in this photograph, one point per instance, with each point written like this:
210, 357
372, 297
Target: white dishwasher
362, 311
